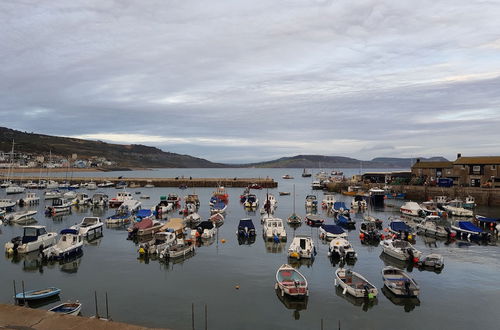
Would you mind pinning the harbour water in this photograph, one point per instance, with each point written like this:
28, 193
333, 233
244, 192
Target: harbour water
464, 295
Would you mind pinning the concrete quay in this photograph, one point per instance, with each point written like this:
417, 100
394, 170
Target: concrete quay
24, 318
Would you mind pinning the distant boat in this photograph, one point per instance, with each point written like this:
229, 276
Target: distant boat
287, 176
306, 174
38, 294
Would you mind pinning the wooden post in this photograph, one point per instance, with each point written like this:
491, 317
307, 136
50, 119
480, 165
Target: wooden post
321, 324
96, 309
192, 315
206, 317
107, 310
15, 292
24, 293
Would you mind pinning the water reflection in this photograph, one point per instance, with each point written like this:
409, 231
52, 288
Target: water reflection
32, 262
394, 262
342, 261
297, 263
272, 247
41, 302
246, 240
409, 303
364, 303
297, 304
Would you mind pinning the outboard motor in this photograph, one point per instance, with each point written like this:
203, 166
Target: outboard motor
407, 288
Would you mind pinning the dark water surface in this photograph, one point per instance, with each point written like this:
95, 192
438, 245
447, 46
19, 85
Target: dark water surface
466, 294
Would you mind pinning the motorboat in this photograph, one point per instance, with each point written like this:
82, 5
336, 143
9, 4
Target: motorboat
123, 185
161, 241
287, 177
106, 184
246, 228
284, 193
434, 261
401, 250
14, 189
487, 223
359, 203
192, 199
294, 219
67, 308
291, 282
146, 226
314, 220
205, 229
273, 229
354, 284
35, 238
82, 199
121, 196
467, 230
429, 227
59, 205
458, 211
399, 282
469, 202
30, 198
412, 209
369, 232
370, 218
91, 185
118, 219
180, 249
70, 243
311, 201
129, 206
339, 208
217, 219
341, 248
69, 195
401, 229
302, 247
251, 201
328, 201
345, 220
193, 219
22, 217
163, 208
89, 226
51, 184
38, 294
329, 232
219, 207
316, 185
100, 200
7, 204
52, 194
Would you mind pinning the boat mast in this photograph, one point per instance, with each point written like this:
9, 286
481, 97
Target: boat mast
294, 199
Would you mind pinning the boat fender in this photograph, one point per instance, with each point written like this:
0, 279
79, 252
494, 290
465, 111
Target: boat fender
345, 291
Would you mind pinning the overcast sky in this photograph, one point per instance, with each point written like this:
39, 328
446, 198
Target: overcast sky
239, 81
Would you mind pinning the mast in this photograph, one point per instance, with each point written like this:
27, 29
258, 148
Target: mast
294, 199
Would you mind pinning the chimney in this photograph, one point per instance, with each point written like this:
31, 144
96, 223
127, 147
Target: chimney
418, 160
459, 155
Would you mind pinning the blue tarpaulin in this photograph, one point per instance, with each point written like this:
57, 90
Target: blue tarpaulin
466, 225
246, 223
400, 226
333, 229
143, 213
339, 205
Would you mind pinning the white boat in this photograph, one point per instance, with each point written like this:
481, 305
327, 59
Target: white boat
149, 184
67, 308
217, 219
311, 201
100, 200
129, 206
328, 201
22, 217
273, 229
329, 232
52, 194
359, 203
399, 282
470, 202
160, 242
69, 244
341, 248
400, 249
81, 199
458, 211
180, 249
106, 184
59, 205
69, 195
14, 189
121, 197
302, 247
430, 227
34, 238
251, 201
195, 218
119, 219
51, 184
316, 185
30, 198
291, 282
433, 260
7, 204
91, 185
89, 226
354, 284
205, 229
412, 209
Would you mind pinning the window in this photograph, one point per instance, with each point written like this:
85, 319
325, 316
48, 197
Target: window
493, 167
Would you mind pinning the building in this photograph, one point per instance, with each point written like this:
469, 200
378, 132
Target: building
483, 171
430, 171
386, 177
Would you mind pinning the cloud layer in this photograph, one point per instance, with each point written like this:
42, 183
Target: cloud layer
253, 80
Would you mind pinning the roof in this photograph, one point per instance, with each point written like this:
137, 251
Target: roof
495, 160
433, 165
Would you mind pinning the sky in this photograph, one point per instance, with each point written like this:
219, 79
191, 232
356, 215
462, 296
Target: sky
253, 80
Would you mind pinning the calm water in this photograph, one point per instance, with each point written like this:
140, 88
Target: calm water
466, 294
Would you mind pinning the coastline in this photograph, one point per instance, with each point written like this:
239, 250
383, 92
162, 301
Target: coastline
4, 171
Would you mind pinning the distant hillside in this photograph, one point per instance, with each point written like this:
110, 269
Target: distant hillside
134, 155
318, 161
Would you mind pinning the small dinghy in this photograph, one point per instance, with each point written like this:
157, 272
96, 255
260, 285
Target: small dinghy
314, 220
289, 281
38, 294
217, 219
399, 282
401, 250
68, 308
435, 261
294, 219
354, 284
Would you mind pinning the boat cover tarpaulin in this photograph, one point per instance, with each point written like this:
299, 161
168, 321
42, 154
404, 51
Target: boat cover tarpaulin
69, 231
333, 229
143, 213
399, 226
339, 205
344, 220
206, 225
219, 205
177, 224
144, 224
466, 225
485, 219
246, 223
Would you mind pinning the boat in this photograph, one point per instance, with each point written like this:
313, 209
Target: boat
67, 308
255, 186
284, 193
100, 200
70, 243
35, 238
487, 223
173, 199
316, 185
7, 204
328, 201
244, 195
121, 196
59, 205
273, 229
352, 191
82, 199
193, 219
291, 282
149, 184
369, 232
89, 226
456, 210
30, 198
181, 249
38, 294
219, 207
160, 242
118, 219
21, 217
246, 228
401, 229
294, 219
429, 227
369, 218
314, 220
14, 189
434, 261
399, 282
287, 177
401, 250
339, 208
217, 219
306, 174
467, 230
129, 206
91, 185
395, 195
146, 226
311, 201
412, 209
469, 202
192, 199
106, 184
359, 203
345, 220
251, 201
354, 284
270, 205
302, 247
52, 194
341, 248
221, 194
51, 184
205, 229
377, 196
329, 232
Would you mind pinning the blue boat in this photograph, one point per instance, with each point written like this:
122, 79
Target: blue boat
38, 294
345, 221
143, 213
331, 231
399, 226
340, 208
246, 228
486, 222
467, 230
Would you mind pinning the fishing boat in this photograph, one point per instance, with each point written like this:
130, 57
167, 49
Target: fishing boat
401, 250
217, 219
246, 228
7, 204
89, 226
188, 209
311, 201
457, 211
270, 205
314, 220
399, 282
434, 261
161, 241
469, 202
205, 229
221, 194
21, 217
30, 198
121, 196
369, 232
244, 195
251, 201
328, 201
70, 243
302, 247
100, 200
359, 203
291, 282
294, 219
369, 218
329, 232
219, 207
273, 229
467, 230
354, 284
34, 238
82, 199
38, 294
59, 205
412, 209
173, 199
67, 308
429, 227
192, 199
341, 248
193, 219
